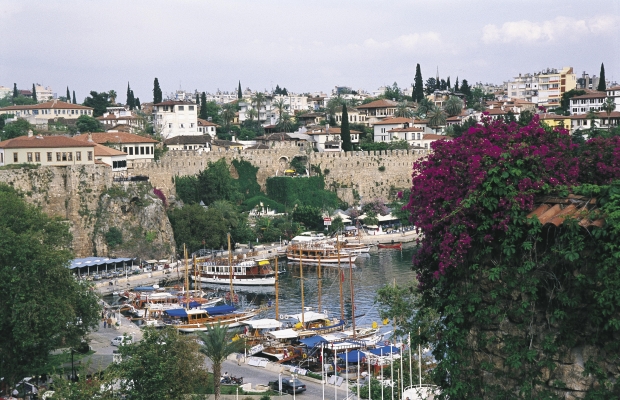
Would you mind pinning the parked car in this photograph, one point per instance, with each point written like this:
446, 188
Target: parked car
289, 385
97, 277
120, 341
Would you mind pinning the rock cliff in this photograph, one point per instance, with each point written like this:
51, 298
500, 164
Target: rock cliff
92, 203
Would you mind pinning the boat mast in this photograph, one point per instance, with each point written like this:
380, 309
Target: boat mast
186, 266
232, 293
352, 294
340, 278
277, 318
319, 282
301, 278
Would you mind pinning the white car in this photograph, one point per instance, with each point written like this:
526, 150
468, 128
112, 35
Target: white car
120, 341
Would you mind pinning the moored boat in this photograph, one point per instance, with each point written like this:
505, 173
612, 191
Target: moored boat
194, 320
245, 273
397, 246
313, 254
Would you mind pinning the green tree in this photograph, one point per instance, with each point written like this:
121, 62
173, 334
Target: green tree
403, 110
239, 92
163, 365
217, 346
98, 101
258, 100
453, 106
466, 90
216, 183
424, 106
86, 123
228, 114
431, 85
601, 80
393, 93
34, 93
138, 105
345, 131
74, 102
157, 95
15, 129
251, 114
203, 107
285, 123
608, 107
448, 84
456, 84
43, 307
15, 91
68, 94
311, 217
436, 117
566, 96
197, 228
334, 105
281, 106
187, 189
213, 111
114, 237
112, 96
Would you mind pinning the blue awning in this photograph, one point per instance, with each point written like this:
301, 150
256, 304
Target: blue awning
220, 310
176, 312
144, 288
352, 356
194, 304
385, 350
313, 341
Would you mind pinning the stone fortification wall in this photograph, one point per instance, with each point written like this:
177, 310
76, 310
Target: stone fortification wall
88, 198
353, 174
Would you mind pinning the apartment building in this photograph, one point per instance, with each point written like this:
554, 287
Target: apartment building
175, 118
585, 103
545, 88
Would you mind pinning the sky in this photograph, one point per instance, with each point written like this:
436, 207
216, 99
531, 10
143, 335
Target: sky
305, 46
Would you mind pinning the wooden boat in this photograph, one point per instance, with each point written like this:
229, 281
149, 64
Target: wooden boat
245, 273
355, 248
312, 254
397, 246
193, 320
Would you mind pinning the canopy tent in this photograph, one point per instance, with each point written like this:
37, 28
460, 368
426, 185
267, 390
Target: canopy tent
346, 344
284, 334
385, 350
144, 289
266, 323
220, 310
313, 341
309, 316
84, 265
182, 312
353, 356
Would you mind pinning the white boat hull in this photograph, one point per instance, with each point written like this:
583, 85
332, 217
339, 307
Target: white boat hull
269, 281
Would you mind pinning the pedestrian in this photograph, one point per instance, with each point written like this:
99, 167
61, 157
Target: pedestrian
105, 323
239, 358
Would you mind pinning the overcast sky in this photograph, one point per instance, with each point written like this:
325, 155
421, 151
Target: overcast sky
304, 46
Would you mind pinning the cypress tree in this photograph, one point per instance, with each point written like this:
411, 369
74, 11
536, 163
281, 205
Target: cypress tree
448, 83
239, 93
34, 93
203, 106
68, 94
74, 102
466, 90
132, 104
129, 102
345, 132
418, 91
15, 92
456, 84
601, 80
197, 99
138, 105
157, 96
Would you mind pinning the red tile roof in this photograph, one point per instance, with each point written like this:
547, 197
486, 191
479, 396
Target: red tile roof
410, 129
204, 122
43, 141
330, 131
395, 120
378, 104
554, 210
592, 95
53, 104
175, 102
103, 151
115, 137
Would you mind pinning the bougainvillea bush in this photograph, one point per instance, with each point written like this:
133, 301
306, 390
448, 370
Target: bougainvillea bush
526, 311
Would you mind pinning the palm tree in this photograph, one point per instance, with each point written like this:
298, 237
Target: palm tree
228, 113
112, 95
403, 110
281, 106
217, 346
258, 99
424, 106
436, 117
333, 105
251, 114
608, 106
453, 106
285, 122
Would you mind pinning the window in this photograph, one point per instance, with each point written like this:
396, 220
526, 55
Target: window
15, 158
29, 157
64, 156
182, 126
57, 156
37, 157
125, 149
169, 125
191, 125
137, 150
78, 156
70, 156
181, 108
49, 156
90, 156
130, 151
141, 149
191, 108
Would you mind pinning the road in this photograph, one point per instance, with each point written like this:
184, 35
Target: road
261, 376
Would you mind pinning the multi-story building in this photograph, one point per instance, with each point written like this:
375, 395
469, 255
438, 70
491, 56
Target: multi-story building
175, 118
614, 93
377, 110
137, 148
40, 114
57, 151
5, 91
44, 93
585, 103
544, 88
328, 139
117, 117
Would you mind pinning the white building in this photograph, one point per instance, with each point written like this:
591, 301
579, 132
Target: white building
614, 93
137, 148
40, 114
399, 128
175, 118
44, 93
585, 103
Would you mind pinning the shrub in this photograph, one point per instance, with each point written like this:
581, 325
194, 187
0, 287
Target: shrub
114, 237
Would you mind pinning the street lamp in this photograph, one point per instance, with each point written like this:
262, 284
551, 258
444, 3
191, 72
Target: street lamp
294, 385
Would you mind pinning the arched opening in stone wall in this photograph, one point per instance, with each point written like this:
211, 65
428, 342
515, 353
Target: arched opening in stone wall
283, 163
